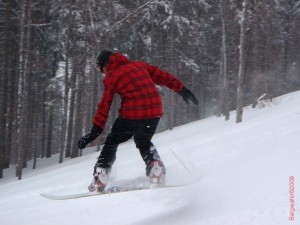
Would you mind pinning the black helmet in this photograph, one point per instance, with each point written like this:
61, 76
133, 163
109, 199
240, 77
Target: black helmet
103, 57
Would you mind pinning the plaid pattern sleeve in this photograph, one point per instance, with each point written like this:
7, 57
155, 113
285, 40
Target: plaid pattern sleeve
104, 106
164, 78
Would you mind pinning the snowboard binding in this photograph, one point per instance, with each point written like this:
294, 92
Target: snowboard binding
157, 173
100, 180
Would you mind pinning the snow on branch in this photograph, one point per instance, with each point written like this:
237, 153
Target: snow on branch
37, 24
126, 17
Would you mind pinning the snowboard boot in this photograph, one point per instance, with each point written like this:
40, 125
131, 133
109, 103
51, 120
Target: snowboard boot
100, 180
157, 173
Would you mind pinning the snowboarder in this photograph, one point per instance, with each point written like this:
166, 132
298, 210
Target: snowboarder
139, 114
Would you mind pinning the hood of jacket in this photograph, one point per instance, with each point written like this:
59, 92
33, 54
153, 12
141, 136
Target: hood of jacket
116, 60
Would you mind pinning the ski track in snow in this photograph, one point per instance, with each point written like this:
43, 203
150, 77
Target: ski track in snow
235, 174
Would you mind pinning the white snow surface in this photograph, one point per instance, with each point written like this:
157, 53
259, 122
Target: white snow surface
234, 174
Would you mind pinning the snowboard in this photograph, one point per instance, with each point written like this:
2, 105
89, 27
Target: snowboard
111, 190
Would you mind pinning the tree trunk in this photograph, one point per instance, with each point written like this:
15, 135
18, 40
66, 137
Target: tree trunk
26, 110
171, 113
4, 66
77, 125
71, 112
21, 93
241, 75
65, 107
257, 71
286, 49
44, 119
49, 136
223, 105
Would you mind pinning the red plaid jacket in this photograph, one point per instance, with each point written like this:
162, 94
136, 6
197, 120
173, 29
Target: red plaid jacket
135, 83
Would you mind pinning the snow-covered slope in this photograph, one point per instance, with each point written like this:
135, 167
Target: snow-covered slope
235, 174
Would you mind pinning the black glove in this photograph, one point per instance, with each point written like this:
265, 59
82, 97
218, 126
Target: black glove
188, 96
94, 133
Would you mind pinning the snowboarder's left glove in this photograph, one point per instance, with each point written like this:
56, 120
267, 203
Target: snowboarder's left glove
188, 96
94, 133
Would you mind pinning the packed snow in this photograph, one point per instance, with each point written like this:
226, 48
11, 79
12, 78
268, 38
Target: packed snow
234, 174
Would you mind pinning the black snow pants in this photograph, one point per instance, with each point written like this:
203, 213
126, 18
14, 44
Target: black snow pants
122, 130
